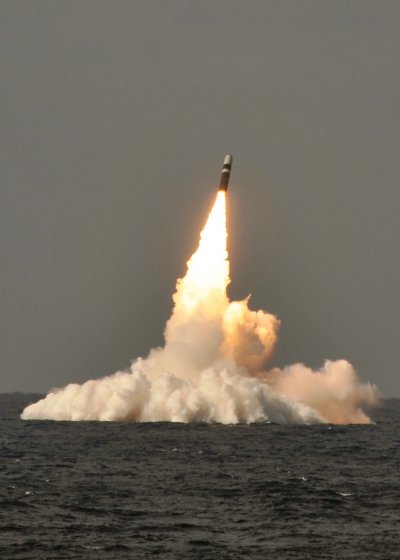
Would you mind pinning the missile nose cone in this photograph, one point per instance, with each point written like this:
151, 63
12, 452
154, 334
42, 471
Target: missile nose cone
225, 173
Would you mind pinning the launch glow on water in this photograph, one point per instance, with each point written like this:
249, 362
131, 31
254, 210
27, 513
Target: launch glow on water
213, 366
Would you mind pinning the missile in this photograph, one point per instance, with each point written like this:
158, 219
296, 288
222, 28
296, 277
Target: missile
225, 173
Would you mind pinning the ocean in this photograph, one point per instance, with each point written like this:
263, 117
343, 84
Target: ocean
89, 490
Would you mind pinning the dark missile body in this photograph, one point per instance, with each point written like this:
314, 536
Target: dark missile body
225, 173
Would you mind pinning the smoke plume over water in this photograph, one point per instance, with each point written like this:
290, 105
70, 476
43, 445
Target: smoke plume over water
214, 364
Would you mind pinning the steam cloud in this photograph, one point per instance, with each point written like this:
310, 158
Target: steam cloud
212, 367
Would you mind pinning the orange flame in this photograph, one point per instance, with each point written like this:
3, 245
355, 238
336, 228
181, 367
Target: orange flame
208, 268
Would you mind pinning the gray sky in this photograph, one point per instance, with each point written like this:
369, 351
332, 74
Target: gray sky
115, 118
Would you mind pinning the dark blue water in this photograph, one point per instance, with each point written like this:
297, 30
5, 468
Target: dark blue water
115, 491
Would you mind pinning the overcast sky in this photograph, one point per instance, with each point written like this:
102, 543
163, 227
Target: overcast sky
115, 118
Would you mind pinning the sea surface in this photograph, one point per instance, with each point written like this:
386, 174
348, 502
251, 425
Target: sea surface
195, 491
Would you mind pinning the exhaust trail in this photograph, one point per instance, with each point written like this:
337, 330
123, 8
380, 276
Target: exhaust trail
213, 366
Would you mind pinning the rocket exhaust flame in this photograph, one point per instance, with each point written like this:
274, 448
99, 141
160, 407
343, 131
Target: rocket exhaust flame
212, 367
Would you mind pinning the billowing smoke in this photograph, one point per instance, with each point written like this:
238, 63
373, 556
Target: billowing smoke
213, 366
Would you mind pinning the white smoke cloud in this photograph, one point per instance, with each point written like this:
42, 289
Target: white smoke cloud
212, 367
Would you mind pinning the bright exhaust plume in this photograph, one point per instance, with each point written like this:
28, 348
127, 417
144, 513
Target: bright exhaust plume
213, 366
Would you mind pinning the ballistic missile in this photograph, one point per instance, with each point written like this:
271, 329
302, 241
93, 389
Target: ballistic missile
225, 173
